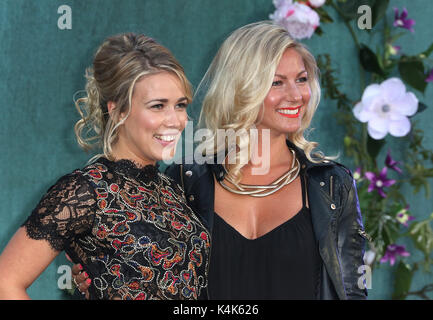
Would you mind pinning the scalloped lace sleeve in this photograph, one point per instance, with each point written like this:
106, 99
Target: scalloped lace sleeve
64, 212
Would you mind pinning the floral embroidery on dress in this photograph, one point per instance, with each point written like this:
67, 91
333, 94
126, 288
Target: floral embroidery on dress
140, 240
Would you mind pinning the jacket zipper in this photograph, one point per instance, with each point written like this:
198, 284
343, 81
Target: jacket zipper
365, 235
331, 187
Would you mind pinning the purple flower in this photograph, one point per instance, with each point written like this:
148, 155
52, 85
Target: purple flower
392, 252
401, 21
429, 77
403, 216
379, 181
391, 163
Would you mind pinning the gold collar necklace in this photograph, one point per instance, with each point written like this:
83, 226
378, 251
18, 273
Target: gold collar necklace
263, 191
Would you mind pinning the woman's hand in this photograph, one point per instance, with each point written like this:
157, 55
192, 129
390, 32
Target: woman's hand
80, 278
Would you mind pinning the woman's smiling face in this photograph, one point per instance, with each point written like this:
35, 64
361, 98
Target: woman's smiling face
286, 101
156, 120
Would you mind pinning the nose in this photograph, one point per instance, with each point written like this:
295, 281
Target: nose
293, 93
173, 118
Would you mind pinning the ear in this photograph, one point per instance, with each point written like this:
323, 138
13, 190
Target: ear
111, 106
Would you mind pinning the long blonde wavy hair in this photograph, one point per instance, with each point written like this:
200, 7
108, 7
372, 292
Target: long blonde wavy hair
238, 80
119, 63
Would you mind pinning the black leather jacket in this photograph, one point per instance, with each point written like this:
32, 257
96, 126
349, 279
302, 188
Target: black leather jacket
336, 217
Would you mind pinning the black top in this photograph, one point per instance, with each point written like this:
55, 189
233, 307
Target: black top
129, 227
282, 264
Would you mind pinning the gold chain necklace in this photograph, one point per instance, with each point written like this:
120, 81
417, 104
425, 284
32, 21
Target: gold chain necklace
263, 191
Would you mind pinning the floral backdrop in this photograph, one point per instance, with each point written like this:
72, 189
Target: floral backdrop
390, 80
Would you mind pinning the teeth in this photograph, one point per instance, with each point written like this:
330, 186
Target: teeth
166, 138
288, 111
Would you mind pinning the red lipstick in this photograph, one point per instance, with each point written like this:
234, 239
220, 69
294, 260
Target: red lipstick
292, 114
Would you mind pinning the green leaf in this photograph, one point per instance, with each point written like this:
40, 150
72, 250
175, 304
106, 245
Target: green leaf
318, 31
390, 230
421, 107
421, 234
396, 36
428, 51
379, 10
412, 72
374, 146
403, 280
369, 60
324, 16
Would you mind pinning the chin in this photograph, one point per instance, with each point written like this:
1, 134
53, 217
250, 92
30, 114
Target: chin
167, 153
290, 129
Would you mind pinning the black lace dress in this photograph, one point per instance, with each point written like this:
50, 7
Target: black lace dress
129, 227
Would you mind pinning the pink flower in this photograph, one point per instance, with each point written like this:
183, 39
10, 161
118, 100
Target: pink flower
297, 18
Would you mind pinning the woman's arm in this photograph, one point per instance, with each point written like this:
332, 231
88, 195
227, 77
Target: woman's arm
351, 245
21, 263
64, 212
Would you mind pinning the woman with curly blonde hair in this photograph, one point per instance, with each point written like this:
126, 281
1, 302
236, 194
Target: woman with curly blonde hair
126, 224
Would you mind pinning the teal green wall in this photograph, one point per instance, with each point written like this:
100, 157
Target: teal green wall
41, 67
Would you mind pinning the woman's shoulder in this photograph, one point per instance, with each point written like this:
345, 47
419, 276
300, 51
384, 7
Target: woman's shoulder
70, 185
74, 177
326, 168
65, 210
341, 169
76, 182
188, 168
80, 175
95, 169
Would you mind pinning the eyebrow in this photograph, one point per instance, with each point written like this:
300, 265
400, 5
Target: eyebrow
284, 77
163, 100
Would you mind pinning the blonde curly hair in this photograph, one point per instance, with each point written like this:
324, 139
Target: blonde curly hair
119, 63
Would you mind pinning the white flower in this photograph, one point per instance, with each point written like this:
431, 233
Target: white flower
386, 107
369, 257
317, 3
298, 19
